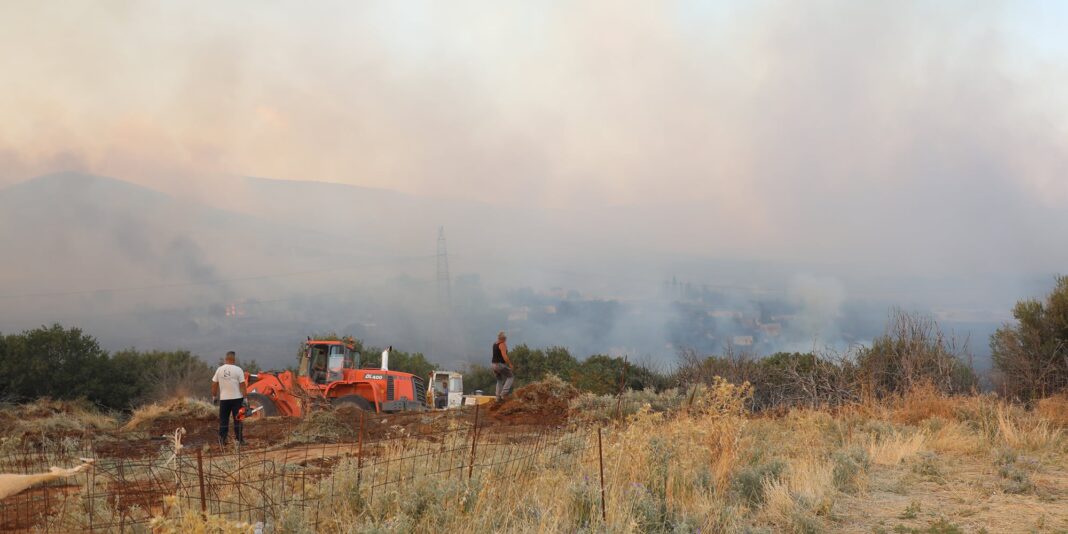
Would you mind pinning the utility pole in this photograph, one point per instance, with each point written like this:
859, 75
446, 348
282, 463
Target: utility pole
444, 287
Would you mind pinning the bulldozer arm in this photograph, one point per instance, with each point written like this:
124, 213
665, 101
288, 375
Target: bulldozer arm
279, 389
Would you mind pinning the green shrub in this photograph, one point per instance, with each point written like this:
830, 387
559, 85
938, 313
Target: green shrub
927, 465
849, 466
1029, 355
583, 504
748, 484
1015, 472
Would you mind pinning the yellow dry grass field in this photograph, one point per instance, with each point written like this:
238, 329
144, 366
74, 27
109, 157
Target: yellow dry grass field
920, 463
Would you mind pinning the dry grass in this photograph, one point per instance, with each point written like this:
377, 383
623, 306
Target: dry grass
917, 463
894, 449
1027, 432
325, 426
806, 493
51, 419
1054, 410
178, 409
956, 438
923, 402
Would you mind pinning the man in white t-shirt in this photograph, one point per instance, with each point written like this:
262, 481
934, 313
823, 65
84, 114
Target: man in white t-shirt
228, 386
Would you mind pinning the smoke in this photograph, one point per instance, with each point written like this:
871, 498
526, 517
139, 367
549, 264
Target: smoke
819, 302
883, 147
809, 130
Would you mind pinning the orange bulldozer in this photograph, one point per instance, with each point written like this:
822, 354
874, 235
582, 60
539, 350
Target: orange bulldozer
329, 375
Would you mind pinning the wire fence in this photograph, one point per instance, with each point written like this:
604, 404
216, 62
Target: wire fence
125, 489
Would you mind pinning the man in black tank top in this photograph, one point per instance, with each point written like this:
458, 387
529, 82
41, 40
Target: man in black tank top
502, 367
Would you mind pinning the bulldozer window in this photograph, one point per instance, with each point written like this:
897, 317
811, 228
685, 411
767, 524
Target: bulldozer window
336, 364
304, 369
313, 364
441, 384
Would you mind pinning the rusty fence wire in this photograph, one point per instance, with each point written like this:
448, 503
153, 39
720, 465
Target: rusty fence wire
125, 490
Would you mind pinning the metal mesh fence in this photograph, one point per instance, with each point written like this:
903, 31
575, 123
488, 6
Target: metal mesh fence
125, 490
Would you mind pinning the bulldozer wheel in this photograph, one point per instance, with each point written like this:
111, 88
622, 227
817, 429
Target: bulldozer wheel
353, 400
256, 400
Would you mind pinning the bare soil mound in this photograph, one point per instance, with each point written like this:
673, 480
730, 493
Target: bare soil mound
545, 402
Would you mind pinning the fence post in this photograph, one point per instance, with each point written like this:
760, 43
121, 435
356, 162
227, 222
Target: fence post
91, 479
200, 477
622, 387
600, 459
474, 440
359, 453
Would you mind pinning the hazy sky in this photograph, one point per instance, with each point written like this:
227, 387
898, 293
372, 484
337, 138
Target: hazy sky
922, 136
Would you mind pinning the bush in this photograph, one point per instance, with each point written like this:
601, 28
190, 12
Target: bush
607, 407
749, 483
1015, 471
599, 374
849, 467
157, 376
911, 353
781, 380
1031, 357
69, 364
58, 363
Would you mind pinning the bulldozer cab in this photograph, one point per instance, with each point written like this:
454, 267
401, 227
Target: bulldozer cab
447, 389
325, 362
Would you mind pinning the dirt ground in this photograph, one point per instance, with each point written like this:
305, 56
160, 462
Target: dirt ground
963, 492
545, 403
531, 408
512, 418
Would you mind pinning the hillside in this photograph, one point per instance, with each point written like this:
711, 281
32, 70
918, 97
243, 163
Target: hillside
289, 258
178, 265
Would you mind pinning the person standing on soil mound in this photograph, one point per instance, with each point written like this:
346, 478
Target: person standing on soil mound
229, 387
502, 367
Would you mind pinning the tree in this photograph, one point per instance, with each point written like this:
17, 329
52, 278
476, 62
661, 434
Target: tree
59, 363
531, 365
601, 374
408, 362
1031, 357
160, 375
479, 378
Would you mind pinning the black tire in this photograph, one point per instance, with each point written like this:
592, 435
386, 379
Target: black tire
256, 400
353, 400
